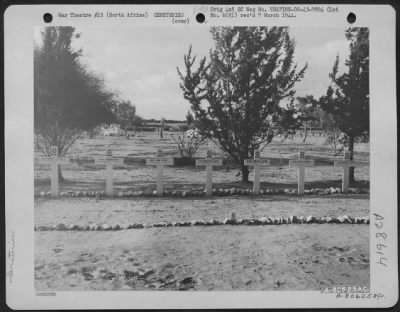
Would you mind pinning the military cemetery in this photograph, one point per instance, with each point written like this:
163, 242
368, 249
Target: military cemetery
200, 174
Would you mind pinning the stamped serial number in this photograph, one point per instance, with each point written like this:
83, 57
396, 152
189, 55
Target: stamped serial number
46, 294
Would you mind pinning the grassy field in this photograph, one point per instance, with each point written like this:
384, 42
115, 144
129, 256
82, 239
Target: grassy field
135, 175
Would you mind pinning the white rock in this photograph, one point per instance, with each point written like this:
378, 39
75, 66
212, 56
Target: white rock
105, 227
263, 220
346, 219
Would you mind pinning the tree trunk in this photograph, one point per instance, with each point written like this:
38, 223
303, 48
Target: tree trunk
245, 173
351, 169
305, 132
334, 143
60, 176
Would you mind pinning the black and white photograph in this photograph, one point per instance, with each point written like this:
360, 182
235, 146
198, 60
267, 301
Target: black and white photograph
191, 151
220, 158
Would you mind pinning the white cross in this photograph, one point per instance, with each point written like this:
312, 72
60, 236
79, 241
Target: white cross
301, 163
346, 163
257, 162
208, 162
160, 161
54, 160
109, 162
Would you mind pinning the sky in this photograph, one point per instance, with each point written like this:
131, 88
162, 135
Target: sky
140, 62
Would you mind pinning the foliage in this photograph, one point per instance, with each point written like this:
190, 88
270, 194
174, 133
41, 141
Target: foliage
235, 96
188, 143
347, 98
68, 98
189, 118
307, 112
336, 140
137, 121
125, 113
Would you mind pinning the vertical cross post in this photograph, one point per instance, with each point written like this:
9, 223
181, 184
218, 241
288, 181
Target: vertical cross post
257, 162
160, 161
301, 163
208, 162
346, 163
54, 160
109, 162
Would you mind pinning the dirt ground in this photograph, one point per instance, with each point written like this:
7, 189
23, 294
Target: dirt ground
226, 257
84, 211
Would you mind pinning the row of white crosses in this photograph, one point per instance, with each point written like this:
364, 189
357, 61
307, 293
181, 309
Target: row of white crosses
54, 160
160, 161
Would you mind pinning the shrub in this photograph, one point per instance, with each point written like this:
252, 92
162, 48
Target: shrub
188, 143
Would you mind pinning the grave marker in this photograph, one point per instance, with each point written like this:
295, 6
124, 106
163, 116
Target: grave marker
160, 161
208, 162
54, 160
109, 161
346, 163
256, 163
301, 163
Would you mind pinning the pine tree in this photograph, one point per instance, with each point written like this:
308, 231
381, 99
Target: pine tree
236, 95
68, 98
347, 98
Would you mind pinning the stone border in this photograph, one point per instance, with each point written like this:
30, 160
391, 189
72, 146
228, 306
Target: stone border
228, 221
215, 192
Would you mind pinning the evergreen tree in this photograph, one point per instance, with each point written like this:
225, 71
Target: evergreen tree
125, 113
306, 108
189, 119
68, 98
235, 96
347, 98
